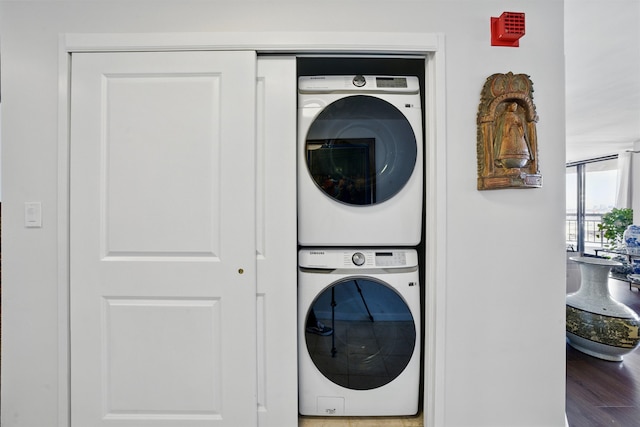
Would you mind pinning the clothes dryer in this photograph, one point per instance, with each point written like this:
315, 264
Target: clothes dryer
360, 161
359, 332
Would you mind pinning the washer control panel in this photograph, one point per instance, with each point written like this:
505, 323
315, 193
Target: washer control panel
357, 258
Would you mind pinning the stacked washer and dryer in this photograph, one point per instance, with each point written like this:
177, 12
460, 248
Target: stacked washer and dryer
360, 198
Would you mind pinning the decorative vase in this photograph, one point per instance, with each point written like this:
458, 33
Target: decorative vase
597, 324
631, 238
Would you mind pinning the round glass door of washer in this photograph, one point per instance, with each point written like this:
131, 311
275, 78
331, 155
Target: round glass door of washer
361, 150
360, 333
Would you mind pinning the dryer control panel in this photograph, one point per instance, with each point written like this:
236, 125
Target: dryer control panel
358, 83
357, 258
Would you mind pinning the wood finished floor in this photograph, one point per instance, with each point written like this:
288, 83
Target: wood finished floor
416, 421
601, 393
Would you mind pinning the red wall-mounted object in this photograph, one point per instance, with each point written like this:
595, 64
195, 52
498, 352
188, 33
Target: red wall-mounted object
507, 29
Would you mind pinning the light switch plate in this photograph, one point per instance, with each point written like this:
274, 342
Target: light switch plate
33, 214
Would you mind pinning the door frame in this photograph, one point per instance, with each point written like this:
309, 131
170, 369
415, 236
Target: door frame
428, 45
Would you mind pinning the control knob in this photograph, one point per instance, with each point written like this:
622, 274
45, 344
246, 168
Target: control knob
359, 81
358, 258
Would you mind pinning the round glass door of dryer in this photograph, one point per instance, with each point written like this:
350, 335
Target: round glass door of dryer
361, 150
360, 333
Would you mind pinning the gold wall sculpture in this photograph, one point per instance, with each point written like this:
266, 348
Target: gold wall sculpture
507, 142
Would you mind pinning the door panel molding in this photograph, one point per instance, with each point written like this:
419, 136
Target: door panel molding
125, 319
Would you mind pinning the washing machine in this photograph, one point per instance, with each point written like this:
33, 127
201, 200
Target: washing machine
360, 161
358, 332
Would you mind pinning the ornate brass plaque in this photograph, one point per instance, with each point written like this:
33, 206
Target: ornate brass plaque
507, 142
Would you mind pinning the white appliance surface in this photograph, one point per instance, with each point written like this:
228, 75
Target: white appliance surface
360, 161
369, 363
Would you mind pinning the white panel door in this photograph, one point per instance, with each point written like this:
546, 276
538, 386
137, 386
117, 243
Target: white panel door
277, 250
163, 265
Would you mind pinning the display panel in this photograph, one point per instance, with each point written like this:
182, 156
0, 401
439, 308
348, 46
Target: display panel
391, 82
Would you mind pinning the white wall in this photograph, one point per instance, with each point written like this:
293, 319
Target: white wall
506, 282
635, 182
505, 278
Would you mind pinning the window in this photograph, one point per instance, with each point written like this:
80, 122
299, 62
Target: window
591, 192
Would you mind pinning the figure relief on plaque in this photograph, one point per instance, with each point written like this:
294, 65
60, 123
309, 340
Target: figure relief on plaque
511, 141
